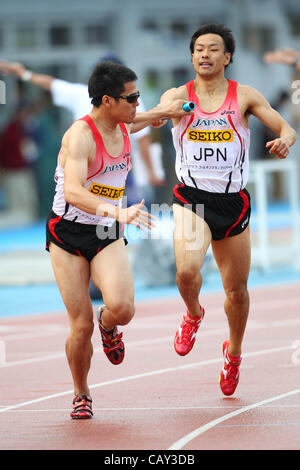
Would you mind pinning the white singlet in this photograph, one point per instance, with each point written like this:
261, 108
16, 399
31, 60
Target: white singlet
106, 179
212, 149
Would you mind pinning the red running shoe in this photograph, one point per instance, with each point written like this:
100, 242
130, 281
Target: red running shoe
82, 407
113, 345
186, 334
229, 377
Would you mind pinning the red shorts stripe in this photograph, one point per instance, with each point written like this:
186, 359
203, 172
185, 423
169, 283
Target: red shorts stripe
51, 224
179, 195
244, 210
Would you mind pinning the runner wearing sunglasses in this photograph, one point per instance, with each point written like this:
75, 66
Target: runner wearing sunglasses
133, 98
85, 225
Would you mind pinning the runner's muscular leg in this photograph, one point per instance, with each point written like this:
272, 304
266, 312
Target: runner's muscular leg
192, 237
111, 273
233, 259
72, 274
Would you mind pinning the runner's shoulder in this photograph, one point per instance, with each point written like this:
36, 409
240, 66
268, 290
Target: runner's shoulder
175, 94
247, 91
78, 135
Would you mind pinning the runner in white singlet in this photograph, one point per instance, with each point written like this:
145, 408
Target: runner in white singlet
210, 203
84, 227
106, 178
212, 149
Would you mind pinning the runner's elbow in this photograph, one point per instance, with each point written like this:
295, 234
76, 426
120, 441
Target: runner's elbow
71, 194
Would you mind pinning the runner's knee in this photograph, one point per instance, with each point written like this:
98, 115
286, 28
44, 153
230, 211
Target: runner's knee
122, 310
187, 273
237, 295
82, 328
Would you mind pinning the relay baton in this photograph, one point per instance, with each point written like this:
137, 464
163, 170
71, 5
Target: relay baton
189, 106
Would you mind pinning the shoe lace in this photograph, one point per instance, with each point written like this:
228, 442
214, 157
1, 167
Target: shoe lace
188, 328
111, 340
116, 339
232, 368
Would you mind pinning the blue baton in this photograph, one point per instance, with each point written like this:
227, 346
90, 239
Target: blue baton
189, 106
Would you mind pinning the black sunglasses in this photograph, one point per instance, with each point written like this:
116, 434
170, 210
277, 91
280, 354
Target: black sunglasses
133, 98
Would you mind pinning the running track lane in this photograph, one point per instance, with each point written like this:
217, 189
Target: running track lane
156, 400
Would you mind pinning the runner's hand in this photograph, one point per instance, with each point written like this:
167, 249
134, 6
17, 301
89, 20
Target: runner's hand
279, 147
173, 109
135, 215
159, 123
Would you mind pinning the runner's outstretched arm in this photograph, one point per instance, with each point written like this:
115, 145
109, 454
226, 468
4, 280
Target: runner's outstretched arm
171, 109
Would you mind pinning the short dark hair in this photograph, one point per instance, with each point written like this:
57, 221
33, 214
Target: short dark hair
221, 30
108, 78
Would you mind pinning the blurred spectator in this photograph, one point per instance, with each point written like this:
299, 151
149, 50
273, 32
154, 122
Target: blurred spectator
147, 176
75, 98
18, 152
289, 57
284, 104
285, 55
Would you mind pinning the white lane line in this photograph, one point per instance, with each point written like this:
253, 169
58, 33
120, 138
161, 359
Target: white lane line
62, 354
146, 342
32, 332
109, 382
197, 432
29, 331
161, 408
139, 376
252, 325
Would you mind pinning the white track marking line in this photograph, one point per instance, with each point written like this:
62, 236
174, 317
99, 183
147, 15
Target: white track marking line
50, 329
62, 354
139, 376
211, 332
197, 432
154, 408
285, 287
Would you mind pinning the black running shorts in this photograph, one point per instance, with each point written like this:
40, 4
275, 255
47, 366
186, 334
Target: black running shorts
226, 214
81, 239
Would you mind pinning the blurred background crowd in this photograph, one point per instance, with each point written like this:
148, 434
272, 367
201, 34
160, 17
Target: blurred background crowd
64, 39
